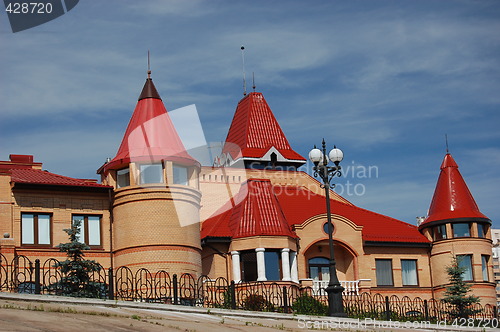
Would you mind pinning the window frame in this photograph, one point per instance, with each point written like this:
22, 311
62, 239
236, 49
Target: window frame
461, 223
319, 266
270, 273
416, 273
435, 232
35, 230
142, 172
484, 267
248, 265
120, 175
460, 259
484, 228
175, 169
85, 225
377, 272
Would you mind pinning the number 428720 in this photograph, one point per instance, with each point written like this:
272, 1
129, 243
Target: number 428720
29, 8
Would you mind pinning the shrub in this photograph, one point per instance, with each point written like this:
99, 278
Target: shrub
256, 302
308, 305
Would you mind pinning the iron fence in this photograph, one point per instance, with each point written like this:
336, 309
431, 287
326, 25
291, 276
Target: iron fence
22, 275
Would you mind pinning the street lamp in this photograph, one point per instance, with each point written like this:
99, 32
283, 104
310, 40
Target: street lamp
327, 173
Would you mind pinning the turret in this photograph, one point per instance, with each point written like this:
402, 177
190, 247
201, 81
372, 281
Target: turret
456, 227
156, 193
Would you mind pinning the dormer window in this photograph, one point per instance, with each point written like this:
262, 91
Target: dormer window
151, 173
461, 230
123, 178
180, 175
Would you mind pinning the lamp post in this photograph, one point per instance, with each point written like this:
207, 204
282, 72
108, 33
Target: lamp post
327, 173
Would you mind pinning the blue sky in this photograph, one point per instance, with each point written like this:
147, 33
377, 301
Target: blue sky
383, 80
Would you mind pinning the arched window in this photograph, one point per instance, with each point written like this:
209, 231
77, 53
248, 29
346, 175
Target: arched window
319, 268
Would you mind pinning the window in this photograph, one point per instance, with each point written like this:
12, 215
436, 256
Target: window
409, 272
325, 228
465, 262
273, 267
151, 173
249, 265
461, 230
484, 267
440, 232
90, 229
181, 175
319, 268
384, 272
123, 178
35, 229
482, 230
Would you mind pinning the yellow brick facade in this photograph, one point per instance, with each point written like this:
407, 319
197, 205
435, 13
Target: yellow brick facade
157, 227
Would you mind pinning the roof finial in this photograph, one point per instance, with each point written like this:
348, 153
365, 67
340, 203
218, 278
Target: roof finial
243, 65
253, 81
446, 138
149, 66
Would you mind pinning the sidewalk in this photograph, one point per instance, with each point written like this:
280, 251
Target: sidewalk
27, 312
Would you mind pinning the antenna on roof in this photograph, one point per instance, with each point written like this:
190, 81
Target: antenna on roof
253, 81
149, 66
446, 138
243, 64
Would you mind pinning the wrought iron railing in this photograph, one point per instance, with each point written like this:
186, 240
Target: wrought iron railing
23, 275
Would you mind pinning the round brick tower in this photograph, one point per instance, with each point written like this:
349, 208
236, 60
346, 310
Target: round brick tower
156, 198
456, 227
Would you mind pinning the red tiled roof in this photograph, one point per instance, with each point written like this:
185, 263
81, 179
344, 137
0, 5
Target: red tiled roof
150, 135
452, 198
254, 130
256, 212
299, 204
36, 176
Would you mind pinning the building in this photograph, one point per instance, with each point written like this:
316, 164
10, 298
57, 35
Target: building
495, 237
251, 217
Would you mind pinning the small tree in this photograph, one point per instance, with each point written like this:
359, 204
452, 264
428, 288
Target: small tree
456, 292
76, 280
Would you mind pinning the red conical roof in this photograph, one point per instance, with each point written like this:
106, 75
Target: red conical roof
255, 211
452, 198
150, 135
254, 130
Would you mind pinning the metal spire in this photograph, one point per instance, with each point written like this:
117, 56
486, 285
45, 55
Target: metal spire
243, 65
149, 66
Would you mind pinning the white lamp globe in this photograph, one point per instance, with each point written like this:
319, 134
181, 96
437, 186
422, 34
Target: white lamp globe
315, 155
336, 155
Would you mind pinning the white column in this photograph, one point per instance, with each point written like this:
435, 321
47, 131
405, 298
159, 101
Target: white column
294, 271
235, 258
261, 264
285, 264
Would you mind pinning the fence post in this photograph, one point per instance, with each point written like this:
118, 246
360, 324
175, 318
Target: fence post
111, 284
387, 309
37, 277
176, 290
426, 310
285, 300
232, 290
